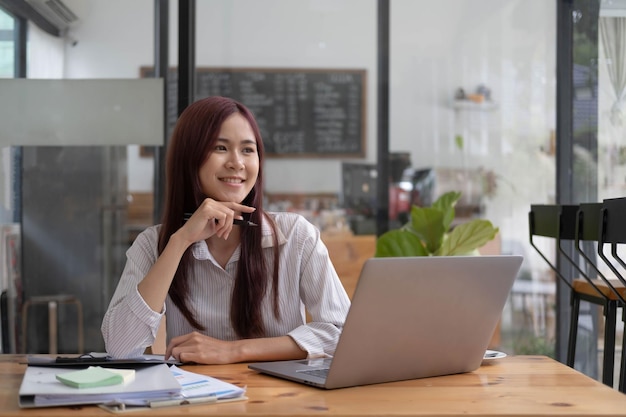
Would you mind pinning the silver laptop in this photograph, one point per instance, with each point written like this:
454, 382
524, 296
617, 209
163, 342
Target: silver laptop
412, 318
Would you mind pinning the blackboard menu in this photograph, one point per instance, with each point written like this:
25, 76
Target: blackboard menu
300, 112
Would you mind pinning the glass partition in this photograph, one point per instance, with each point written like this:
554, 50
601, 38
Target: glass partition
9, 212
472, 95
81, 122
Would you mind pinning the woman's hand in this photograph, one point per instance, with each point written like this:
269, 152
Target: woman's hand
198, 348
213, 218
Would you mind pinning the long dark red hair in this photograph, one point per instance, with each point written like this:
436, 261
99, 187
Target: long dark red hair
192, 141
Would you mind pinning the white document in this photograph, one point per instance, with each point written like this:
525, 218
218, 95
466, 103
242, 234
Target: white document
197, 385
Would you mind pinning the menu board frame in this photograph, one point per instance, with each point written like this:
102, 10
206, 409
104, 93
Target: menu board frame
302, 112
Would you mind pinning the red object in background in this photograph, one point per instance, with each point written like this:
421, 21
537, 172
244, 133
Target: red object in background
399, 201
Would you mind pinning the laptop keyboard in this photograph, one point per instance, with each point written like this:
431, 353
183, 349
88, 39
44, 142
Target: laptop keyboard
320, 373
317, 367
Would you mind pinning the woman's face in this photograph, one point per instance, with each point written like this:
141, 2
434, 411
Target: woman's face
231, 170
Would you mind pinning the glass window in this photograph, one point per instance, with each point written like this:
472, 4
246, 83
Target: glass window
7, 45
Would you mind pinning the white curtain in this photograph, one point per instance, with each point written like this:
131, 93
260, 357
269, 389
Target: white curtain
613, 33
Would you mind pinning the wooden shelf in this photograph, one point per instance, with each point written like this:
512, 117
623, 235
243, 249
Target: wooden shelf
471, 105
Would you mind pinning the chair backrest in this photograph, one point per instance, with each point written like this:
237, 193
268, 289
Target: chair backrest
588, 224
543, 220
570, 218
546, 220
613, 232
589, 228
614, 221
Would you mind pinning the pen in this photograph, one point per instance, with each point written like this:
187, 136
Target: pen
238, 222
183, 401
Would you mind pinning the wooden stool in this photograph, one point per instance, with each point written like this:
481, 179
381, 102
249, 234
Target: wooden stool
53, 302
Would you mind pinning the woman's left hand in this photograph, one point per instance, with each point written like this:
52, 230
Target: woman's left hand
198, 348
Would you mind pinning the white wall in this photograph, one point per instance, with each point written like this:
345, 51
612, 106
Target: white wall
45, 54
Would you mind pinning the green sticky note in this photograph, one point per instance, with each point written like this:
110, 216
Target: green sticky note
94, 376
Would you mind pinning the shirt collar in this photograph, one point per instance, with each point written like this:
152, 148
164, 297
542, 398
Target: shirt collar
267, 240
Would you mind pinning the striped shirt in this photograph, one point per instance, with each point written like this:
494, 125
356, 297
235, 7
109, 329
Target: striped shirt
307, 280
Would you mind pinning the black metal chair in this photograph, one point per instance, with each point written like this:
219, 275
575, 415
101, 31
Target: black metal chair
589, 228
613, 233
566, 223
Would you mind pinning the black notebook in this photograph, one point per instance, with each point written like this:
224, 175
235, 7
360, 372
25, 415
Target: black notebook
98, 359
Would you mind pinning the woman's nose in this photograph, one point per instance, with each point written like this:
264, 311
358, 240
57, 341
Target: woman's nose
235, 160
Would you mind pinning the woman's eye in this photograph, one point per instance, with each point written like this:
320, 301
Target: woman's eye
220, 148
249, 150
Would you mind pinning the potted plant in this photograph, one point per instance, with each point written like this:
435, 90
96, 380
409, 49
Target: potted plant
429, 232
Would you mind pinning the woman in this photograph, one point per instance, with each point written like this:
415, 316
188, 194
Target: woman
231, 293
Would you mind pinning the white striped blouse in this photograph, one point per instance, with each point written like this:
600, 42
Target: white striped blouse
307, 280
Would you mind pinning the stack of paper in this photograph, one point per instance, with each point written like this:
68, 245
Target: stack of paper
40, 387
152, 386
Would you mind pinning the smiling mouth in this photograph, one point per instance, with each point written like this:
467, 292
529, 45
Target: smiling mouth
232, 180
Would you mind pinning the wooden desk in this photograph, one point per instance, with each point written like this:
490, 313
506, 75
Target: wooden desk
512, 386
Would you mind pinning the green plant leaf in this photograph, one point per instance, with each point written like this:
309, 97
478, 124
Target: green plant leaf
467, 237
399, 243
458, 140
428, 232
428, 224
446, 203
